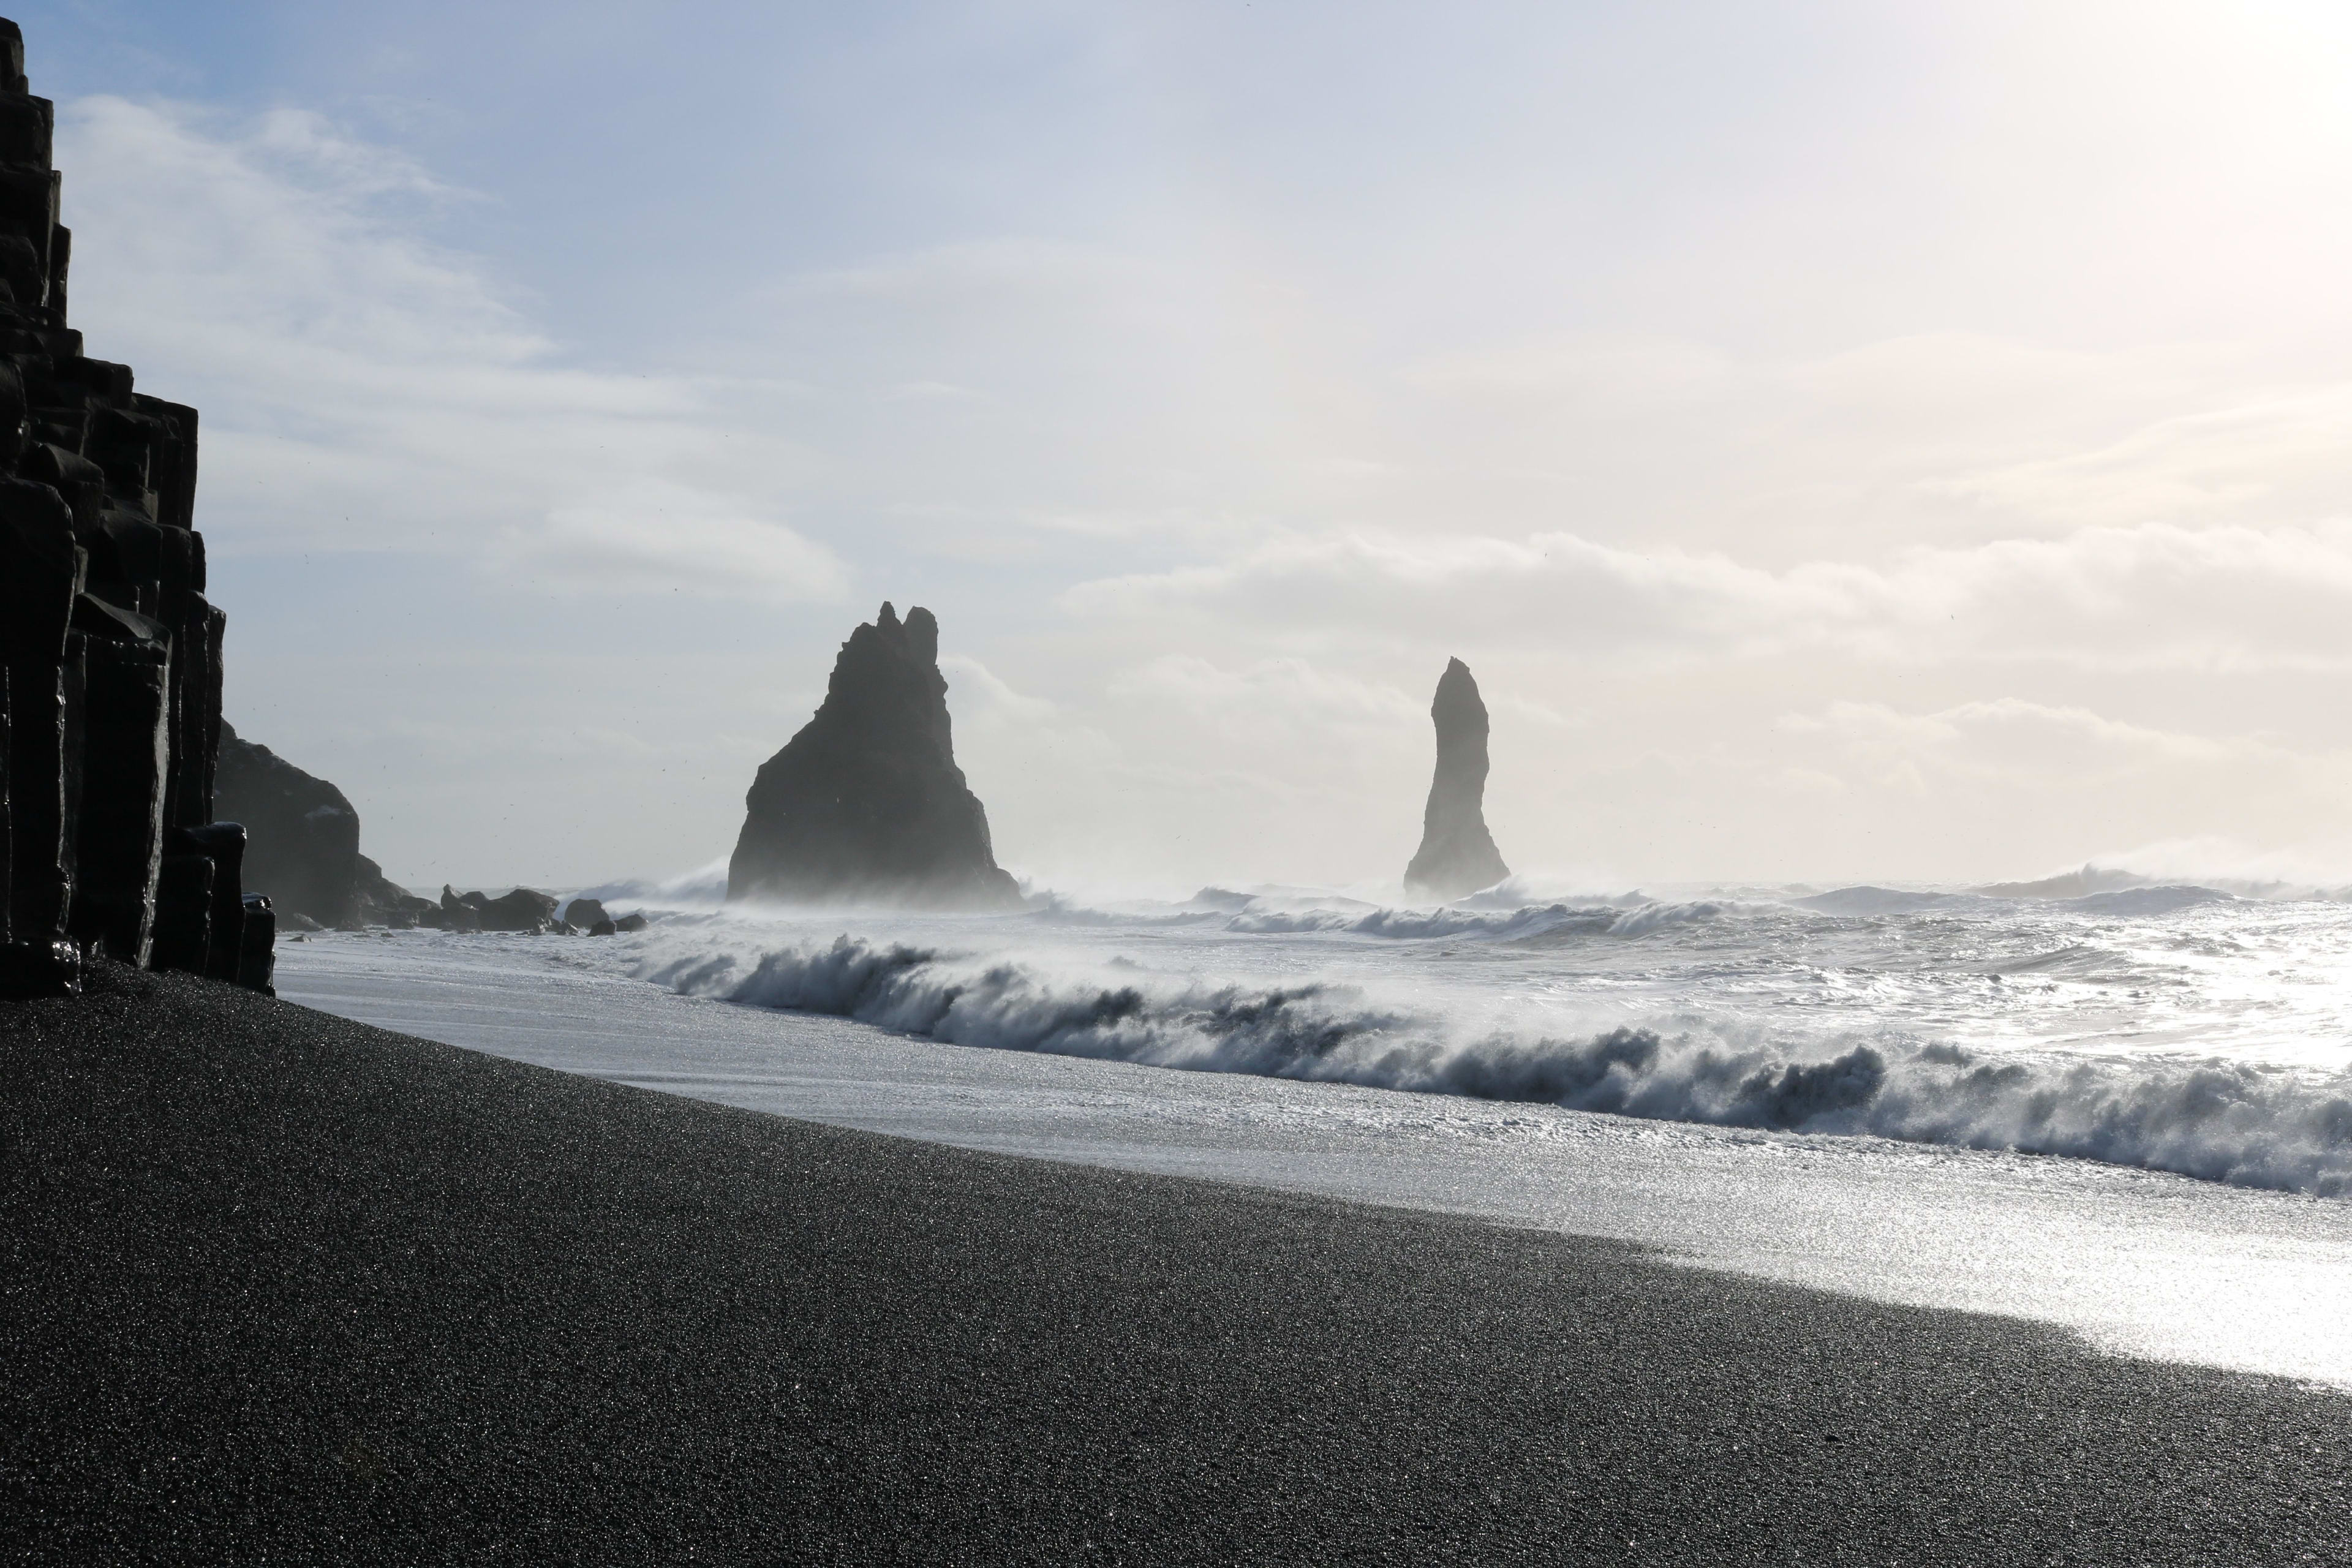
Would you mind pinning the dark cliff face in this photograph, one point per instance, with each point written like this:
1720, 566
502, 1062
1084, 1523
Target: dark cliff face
302, 837
109, 653
1457, 854
865, 805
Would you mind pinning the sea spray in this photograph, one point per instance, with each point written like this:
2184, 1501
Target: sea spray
2230, 1122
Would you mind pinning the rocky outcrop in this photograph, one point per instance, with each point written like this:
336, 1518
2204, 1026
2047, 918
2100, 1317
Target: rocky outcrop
377, 901
866, 805
456, 912
522, 910
302, 846
256, 953
587, 914
302, 837
1457, 855
109, 704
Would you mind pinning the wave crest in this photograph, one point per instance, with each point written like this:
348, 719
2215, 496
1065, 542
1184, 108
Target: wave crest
2232, 1123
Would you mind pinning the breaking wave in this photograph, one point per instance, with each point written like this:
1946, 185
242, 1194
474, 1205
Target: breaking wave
2254, 1126
1256, 918
2142, 901
1417, 923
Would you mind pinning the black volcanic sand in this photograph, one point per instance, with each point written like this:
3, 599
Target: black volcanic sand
281, 1288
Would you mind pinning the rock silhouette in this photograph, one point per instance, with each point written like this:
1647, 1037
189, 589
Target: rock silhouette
302, 837
257, 950
302, 844
109, 654
456, 912
866, 805
522, 910
1457, 855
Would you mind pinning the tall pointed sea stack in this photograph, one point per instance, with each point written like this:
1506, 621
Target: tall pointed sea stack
866, 805
1457, 854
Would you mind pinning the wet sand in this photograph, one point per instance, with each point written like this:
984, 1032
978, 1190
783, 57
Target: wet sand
284, 1287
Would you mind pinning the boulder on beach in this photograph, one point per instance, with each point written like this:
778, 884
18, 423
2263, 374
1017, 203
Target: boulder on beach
866, 805
586, 913
523, 910
1457, 855
454, 913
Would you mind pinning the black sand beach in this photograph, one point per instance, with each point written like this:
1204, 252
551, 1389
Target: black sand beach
281, 1288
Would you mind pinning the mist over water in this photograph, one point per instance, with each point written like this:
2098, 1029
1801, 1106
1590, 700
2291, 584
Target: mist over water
2173, 1028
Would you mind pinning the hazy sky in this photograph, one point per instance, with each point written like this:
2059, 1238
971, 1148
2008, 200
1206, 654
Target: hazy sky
1846, 440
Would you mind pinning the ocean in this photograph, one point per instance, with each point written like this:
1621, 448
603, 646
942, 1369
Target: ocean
2128, 1114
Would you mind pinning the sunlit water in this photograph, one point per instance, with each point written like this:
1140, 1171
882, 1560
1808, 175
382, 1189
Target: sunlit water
2131, 1114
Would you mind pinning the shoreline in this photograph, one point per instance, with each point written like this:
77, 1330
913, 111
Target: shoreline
2141, 1263
286, 1285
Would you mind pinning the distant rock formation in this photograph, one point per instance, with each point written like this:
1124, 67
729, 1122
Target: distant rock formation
302, 844
866, 805
110, 655
378, 900
301, 835
457, 912
1457, 854
523, 910
587, 914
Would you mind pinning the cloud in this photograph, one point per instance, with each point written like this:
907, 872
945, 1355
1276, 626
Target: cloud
364, 390
2016, 768
980, 696
2012, 740
2153, 596
1279, 691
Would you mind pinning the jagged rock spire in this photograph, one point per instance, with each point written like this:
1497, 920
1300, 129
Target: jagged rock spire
866, 805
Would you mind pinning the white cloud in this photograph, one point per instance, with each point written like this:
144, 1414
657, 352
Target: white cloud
2012, 740
1940, 404
364, 390
2153, 596
1280, 691
978, 696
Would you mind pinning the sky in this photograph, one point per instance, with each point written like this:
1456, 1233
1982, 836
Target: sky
1848, 441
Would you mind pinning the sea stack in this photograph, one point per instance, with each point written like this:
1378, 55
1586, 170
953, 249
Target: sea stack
1457, 854
866, 805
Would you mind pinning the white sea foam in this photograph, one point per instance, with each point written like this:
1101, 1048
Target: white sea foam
1419, 924
2248, 1122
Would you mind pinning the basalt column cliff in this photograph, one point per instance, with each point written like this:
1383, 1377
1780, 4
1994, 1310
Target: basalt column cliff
110, 695
1457, 854
866, 805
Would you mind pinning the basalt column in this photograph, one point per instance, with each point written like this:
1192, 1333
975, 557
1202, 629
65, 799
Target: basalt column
1457, 854
112, 653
